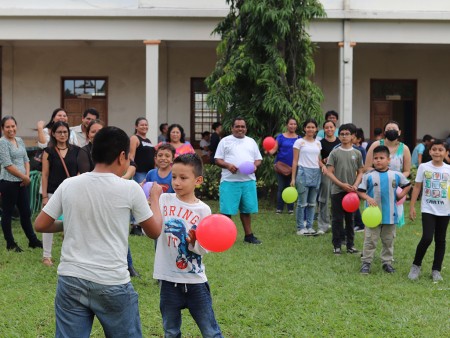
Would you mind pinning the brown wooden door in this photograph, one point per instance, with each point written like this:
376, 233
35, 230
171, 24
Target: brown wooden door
380, 114
76, 106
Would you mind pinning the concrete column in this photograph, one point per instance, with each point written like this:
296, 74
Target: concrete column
7, 79
346, 75
151, 87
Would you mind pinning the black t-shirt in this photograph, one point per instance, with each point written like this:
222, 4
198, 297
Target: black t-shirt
213, 143
327, 147
145, 155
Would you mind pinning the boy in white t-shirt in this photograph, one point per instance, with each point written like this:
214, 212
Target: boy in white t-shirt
93, 275
178, 259
433, 179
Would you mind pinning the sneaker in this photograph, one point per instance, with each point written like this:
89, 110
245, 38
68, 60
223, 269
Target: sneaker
358, 229
251, 239
14, 247
337, 251
291, 212
388, 268
436, 275
320, 232
35, 244
311, 231
352, 250
365, 269
278, 212
303, 232
414, 272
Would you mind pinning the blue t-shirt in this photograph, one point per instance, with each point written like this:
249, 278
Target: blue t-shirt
419, 149
285, 152
164, 182
382, 186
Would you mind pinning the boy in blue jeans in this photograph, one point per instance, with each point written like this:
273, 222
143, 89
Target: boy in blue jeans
178, 259
378, 188
345, 172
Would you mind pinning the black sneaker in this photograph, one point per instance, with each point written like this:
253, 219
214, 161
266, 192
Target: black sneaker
365, 269
352, 250
35, 244
388, 268
251, 239
337, 251
136, 230
13, 247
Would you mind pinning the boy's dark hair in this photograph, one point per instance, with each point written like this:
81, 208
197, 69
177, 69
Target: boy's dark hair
360, 134
427, 138
206, 133
216, 125
438, 142
377, 132
166, 146
91, 111
108, 143
331, 113
381, 149
349, 127
193, 160
161, 126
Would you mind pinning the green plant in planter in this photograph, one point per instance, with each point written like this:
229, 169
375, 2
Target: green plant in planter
209, 190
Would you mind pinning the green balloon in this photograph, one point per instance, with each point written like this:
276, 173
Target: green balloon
371, 217
289, 195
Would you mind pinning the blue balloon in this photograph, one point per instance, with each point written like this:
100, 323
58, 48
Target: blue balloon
247, 168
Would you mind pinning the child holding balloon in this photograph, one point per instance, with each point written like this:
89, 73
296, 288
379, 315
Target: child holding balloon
378, 189
178, 259
433, 179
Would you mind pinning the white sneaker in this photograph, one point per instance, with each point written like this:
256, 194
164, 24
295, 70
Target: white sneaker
320, 232
436, 276
302, 232
311, 231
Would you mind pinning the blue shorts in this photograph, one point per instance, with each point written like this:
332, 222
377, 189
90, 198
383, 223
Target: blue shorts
238, 196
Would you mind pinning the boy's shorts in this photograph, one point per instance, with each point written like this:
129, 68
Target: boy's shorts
238, 196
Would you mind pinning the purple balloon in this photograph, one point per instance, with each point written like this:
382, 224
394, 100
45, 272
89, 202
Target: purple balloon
247, 168
147, 187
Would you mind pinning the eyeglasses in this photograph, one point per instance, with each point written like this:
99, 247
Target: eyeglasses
345, 134
65, 132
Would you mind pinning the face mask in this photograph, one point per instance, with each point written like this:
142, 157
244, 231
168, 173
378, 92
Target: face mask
391, 135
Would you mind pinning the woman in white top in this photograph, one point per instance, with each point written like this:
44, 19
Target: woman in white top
58, 114
306, 173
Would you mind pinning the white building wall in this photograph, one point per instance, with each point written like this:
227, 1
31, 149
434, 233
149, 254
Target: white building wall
37, 73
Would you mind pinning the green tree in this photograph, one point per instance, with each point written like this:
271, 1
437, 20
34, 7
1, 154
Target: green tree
264, 68
265, 64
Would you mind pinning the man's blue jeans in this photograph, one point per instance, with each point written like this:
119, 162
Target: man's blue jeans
78, 301
195, 297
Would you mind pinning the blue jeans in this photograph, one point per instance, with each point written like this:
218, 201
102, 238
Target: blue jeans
306, 207
78, 301
195, 297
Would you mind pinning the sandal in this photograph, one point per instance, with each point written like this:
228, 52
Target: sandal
47, 261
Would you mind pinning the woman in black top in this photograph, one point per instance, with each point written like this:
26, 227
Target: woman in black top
85, 163
142, 150
54, 172
329, 142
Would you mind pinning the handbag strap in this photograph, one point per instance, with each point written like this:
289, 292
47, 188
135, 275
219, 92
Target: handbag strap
63, 162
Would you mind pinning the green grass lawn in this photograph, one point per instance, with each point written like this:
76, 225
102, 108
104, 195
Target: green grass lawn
290, 286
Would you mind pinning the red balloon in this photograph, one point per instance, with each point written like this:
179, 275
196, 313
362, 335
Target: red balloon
269, 143
350, 202
216, 233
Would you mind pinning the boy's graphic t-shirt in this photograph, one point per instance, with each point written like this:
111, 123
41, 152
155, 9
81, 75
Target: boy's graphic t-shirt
176, 260
382, 186
435, 183
164, 182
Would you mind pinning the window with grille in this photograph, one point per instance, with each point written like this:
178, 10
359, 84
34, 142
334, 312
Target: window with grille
202, 116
